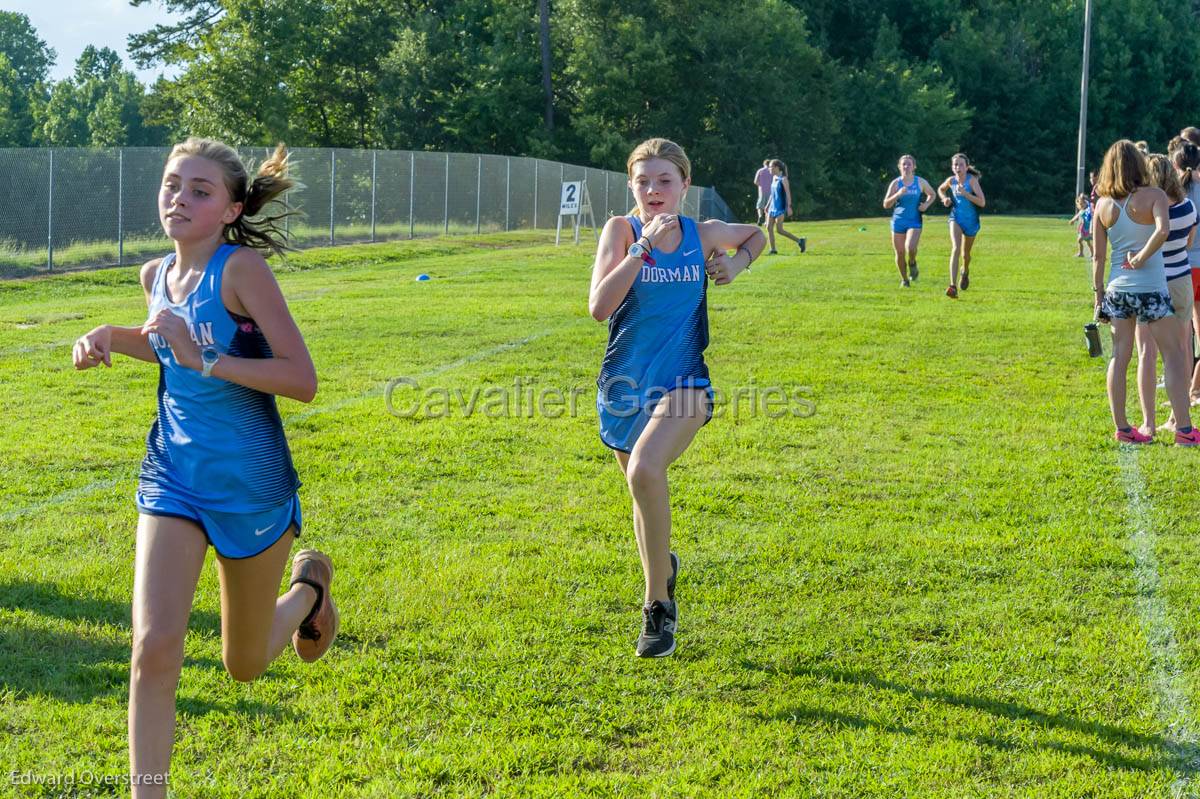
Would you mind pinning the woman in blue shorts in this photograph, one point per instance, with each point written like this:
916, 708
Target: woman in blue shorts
962, 191
909, 196
217, 468
650, 281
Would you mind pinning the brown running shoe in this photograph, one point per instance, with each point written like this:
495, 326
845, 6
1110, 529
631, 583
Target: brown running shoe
320, 626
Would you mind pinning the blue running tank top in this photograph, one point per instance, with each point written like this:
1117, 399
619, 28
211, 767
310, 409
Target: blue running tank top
907, 208
778, 196
214, 444
965, 212
658, 334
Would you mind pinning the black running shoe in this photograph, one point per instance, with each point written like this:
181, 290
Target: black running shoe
913, 272
658, 630
671, 579
964, 281
803, 245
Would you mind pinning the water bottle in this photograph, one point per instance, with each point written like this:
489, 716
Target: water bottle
1091, 334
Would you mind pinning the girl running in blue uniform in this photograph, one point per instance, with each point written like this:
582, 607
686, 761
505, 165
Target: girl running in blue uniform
909, 196
649, 281
781, 206
962, 191
217, 468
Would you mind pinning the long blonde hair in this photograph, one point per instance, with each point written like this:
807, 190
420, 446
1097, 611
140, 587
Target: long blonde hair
1163, 175
253, 228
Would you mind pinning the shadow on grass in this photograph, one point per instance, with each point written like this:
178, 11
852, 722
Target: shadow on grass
83, 666
1163, 753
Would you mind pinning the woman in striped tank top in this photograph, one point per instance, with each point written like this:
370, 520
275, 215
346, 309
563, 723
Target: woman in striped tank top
1182, 226
1185, 157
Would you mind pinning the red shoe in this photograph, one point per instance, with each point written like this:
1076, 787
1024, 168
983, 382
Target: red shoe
1135, 436
316, 633
952, 292
1187, 439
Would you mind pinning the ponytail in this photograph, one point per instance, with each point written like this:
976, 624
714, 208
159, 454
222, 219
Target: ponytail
255, 227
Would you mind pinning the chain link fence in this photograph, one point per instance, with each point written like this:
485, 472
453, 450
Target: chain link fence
81, 208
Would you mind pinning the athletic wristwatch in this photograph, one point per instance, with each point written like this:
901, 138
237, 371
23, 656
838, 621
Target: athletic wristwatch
639, 250
209, 357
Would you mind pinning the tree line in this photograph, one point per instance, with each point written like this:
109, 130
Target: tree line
838, 89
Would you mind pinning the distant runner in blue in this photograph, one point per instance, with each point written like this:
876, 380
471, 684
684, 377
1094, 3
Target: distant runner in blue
909, 196
650, 282
962, 193
217, 468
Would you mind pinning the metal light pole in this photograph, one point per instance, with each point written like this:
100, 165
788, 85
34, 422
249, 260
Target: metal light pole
1081, 168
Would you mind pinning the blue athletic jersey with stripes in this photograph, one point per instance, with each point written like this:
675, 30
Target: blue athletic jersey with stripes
657, 336
907, 208
1174, 250
778, 197
965, 212
214, 444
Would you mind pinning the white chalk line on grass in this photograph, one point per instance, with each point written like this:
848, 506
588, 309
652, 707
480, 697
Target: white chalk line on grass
1168, 676
100, 485
60, 498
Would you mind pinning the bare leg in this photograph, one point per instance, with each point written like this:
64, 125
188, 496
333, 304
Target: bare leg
1195, 388
256, 622
1122, 333
898, 249
1147, 352
784, 233
170, 554
1175, 367
956, 237
771, 231
913, 239
967, 243
676, 420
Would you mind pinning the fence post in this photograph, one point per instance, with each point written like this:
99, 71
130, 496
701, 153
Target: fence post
412, 178
446, 203
121, 206
536, 161
478, 190
607, 175
507, 185
332, 183
50, 218
374, 156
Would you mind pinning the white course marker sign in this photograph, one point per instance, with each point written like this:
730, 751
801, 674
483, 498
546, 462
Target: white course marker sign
575, 202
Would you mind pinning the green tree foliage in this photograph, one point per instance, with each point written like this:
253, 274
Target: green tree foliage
26, 63
838, 89
100, 105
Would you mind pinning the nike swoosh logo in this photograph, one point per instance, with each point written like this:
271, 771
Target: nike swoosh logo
690, 252
264, 530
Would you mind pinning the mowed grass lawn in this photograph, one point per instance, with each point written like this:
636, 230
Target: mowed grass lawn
927, 587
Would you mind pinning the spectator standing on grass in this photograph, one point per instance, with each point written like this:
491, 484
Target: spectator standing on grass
217, 468
762, 180
1132, 219
649, 280
1182, 227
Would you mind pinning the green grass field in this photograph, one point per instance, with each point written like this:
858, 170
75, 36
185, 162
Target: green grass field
945, 582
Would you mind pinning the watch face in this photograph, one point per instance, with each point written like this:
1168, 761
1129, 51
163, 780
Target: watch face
209, 355
637, 250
